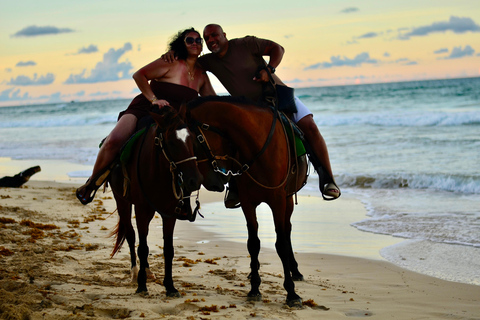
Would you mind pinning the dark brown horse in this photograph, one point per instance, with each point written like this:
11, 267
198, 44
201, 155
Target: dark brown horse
161, 175
250, 143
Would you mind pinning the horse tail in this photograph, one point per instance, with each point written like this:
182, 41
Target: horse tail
120, 236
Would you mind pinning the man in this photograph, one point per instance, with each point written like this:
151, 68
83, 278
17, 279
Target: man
235, 63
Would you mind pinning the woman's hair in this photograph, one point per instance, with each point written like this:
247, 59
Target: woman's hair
177, 44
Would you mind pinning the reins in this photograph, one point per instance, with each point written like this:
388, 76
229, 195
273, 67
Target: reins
198, 128
158, 141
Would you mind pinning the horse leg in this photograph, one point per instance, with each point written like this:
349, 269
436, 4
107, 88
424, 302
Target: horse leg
144, 215
130, 236
168, 253
296, 275
253, 246
284, 251
125, 231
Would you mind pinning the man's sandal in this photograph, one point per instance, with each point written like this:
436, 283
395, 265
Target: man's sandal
331, 192
87, 192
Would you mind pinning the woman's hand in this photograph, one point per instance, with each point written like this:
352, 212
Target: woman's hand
160, 103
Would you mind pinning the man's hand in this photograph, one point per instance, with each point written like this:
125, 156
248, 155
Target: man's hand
262, 76
169, 56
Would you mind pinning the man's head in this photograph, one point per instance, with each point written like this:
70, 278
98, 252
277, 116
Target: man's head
215, 39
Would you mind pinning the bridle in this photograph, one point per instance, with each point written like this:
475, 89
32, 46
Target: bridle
177, 174
198, 128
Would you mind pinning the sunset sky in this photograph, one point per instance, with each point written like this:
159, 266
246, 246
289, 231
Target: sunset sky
53, 51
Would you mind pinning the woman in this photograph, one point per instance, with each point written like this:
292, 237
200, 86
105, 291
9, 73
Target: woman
171, 84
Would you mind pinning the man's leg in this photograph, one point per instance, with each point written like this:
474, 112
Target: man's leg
317, 150
319, 157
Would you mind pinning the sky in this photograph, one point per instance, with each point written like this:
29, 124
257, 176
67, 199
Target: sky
61, 51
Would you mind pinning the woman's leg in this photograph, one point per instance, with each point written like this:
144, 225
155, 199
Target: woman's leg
124, 128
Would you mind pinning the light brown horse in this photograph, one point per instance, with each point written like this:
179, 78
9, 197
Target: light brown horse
250, 143
162, 174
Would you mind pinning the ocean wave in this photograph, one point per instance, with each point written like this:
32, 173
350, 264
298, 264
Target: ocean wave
60, 121
451, 183
405, 119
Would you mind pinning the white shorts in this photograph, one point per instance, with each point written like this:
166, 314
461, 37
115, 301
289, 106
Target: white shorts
302, 110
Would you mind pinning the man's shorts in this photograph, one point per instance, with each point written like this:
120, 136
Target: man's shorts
302, 110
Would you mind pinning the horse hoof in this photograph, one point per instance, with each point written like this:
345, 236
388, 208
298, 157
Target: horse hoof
295, 303
254, 297
141, 292
297, 277
173, 294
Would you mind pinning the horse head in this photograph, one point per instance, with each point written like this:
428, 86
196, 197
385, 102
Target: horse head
176, 142
212, 148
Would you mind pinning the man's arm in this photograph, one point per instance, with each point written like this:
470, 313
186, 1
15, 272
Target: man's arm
275, 52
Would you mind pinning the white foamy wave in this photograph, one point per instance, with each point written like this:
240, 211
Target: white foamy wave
452, 183
404, 119
61, 121
432, 227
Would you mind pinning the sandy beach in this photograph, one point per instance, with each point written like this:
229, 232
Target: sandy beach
55, 264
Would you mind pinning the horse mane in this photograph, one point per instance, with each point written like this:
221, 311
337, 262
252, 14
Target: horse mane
171, 118
236, 100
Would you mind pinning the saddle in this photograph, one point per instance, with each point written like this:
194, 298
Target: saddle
298, 174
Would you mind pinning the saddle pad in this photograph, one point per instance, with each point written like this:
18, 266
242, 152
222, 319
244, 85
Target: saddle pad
300, 147
126, 152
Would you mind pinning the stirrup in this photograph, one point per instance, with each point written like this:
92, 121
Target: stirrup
328, 194
231, 199
87, 192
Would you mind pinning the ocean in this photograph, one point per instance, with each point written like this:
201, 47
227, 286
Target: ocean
409, 151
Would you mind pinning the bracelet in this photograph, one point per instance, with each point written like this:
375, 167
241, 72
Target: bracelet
153, 99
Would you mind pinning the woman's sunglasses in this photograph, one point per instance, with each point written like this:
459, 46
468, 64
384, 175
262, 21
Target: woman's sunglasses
191, 40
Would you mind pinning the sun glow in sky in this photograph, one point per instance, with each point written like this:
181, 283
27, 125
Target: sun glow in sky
53, 51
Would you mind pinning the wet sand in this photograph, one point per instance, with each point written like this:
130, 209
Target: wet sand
55, 264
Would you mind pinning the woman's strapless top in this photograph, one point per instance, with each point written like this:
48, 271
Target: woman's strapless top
175, 94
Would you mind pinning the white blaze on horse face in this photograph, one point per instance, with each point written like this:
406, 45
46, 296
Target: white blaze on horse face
182, 134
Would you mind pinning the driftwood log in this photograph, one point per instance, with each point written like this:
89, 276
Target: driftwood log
19, 179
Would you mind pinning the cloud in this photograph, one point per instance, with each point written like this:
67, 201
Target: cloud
337, 61
35, 81
109, 69
349, 10
8, 70
26, 63
442, 50
33, 31
458, 52
386, 54
455, 24
12, 94
368, 35
406, 62
98, 94
90, 49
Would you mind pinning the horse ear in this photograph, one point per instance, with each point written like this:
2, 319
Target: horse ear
161, 116
182, 112
157, 118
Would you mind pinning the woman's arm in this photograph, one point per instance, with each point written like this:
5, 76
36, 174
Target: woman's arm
154, 70
206, 88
